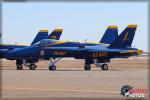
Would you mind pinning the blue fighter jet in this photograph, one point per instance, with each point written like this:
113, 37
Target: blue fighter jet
49, 49
42, 34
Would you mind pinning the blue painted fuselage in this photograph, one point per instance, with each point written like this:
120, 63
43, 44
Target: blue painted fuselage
5, 48
47, 49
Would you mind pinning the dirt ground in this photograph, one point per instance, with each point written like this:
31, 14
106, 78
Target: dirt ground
71, 82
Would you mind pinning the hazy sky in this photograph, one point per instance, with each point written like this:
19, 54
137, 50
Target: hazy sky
80, 20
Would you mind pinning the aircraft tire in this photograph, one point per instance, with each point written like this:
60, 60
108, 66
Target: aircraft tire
19, 66
52, 67
32, 67
104, 67
87, 67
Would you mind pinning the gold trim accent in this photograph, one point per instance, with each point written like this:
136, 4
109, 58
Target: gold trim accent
112, 27
43, 31
126, 37
132, 26
58, 30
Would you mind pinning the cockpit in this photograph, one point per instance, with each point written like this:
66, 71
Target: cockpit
45, 42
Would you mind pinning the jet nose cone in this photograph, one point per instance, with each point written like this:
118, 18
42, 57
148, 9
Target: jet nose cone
23, 53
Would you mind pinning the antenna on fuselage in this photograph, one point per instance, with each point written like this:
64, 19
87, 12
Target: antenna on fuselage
15, 43
85, 39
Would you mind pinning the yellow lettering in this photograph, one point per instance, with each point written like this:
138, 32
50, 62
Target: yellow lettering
100, 54
53, 37
61, 53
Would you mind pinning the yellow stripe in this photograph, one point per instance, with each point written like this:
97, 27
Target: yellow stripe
126, 37
59, 42
132, 51
43, 31
129, 51
93, 43
112, 27
58, 30
132, 26
140, 52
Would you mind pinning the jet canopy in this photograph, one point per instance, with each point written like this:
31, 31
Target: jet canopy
45, 42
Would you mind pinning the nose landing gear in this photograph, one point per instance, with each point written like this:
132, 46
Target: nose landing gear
52, 63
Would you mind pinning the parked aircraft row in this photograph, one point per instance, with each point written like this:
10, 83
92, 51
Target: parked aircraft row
51, 48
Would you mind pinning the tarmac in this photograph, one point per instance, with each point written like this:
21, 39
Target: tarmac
71, 82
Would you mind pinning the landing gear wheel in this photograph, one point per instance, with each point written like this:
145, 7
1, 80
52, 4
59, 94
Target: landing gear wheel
104, 67
32, 66
52, 67
19, 66
87, 67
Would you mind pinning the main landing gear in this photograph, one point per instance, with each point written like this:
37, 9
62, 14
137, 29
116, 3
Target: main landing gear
103, 66
19, 64
101, 63
31, 64
52, 63
87, 65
